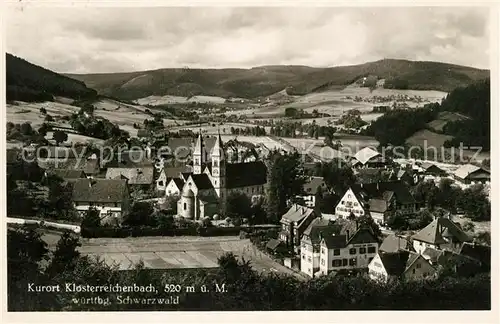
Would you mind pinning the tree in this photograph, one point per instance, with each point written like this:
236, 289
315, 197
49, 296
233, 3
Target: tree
60, 136
43, 130
66, 254
43, 111
140, 215
475, 203
92, 219
338, 176
286, 180
238, 205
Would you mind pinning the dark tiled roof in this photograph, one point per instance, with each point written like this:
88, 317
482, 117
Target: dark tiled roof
482, 253
135, 176
434, 232
318, 228
245, 174
273, 244
68, 173
202, 181
378, 205
179, 182
311, 186
431, 167
89, 166
381, 190
335, 242
395, 263
99, 190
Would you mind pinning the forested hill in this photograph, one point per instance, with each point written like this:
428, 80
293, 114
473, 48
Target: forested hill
471, 102
266, 80
29, 82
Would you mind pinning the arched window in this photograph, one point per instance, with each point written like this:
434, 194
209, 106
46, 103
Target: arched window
216, 163
185, 206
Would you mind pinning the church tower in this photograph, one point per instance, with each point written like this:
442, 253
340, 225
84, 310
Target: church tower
198, 156
219, 168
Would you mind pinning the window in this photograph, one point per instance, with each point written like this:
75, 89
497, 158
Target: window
413, 271
303, 256
322, 262
344, 262
336, 252
371, 249
337, 263
309, 259
419, 266
184, 206
349, 196
352, 262
116, 204
160, 183
304, 246
323, 250
343, 202
352, 251
216, 163
170, 192
362, 250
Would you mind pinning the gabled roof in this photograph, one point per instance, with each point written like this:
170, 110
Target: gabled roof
432, 254
318, 228
383, 191
135, 176
434, 232
99, 190
397, 263
297, 213
366, 154
202, 181
467, 169
350, 233
427, 165
335, 242
185, 175
393, 243
245, 174
129, 159
311, 186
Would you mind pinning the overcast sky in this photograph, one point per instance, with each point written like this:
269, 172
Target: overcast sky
81, 40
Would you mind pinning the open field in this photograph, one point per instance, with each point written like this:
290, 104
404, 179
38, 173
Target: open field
165, 100
267, 141
75, 138
336, 102
426, 138
443, 118
176, 252
23, 112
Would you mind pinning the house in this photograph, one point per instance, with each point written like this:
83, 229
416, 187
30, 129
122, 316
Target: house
310, 244
140, 176
68, 175
403, 264
166, 174
440, 234
430, 169
393, 243
310, 188
89, 166
470, 173
353, 247
378, 200
368, 158
460, 264
293, 224
218, 179
174, 187
130, 159
110, 197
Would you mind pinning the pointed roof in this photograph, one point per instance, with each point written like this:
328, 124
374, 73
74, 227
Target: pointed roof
434, 233
198, 147
366, 154
217, 150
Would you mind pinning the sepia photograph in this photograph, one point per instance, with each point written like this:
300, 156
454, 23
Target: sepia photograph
201, 158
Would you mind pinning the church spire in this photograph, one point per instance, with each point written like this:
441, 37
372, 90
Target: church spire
198, 155
218, 150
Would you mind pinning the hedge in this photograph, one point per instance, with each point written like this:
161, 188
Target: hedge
117, 232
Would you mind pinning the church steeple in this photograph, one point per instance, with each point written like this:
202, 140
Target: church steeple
219, 168
198, 155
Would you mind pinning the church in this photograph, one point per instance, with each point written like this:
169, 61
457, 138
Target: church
205, 190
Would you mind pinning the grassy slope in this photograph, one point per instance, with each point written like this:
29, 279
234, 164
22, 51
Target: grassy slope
266, 80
